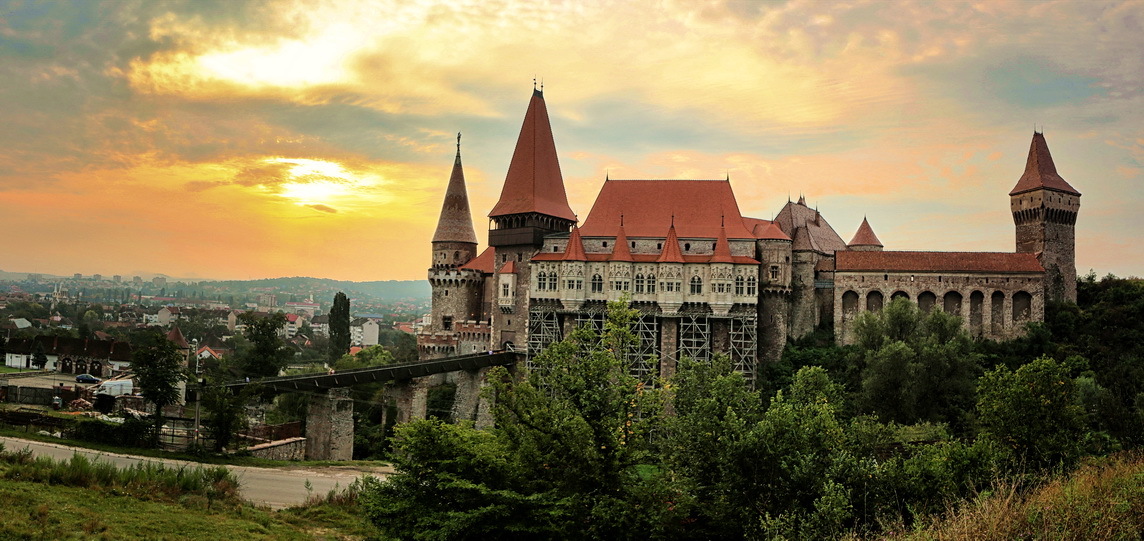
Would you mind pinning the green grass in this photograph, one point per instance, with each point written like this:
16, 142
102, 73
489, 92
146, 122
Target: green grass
80, 499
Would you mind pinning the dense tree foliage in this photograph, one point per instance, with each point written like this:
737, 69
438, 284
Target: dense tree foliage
158, 367
339, 326
263, 353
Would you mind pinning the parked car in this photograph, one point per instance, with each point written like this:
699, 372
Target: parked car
87, 378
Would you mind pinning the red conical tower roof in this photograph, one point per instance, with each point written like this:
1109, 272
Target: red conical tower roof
865, 236
176, 337
534, 182
456, 223
722, 249
575, 249
671, 253
621, 251
1040, 172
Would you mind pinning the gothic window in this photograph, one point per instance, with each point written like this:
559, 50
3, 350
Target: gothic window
639, 283
774, 273
696, 285
447, 323
597, 284
752, 284
651, 284
541, 281
739, 285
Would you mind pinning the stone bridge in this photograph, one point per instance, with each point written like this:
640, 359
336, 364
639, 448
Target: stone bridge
329, 421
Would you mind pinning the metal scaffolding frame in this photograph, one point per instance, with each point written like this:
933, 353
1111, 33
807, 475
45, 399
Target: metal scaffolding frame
543, 330
695, 337
744, 346
644, 355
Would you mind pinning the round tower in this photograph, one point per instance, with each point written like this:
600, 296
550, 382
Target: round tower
865, 240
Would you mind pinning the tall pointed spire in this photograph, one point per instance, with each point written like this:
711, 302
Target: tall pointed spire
456, 222
1040, 172
534, 183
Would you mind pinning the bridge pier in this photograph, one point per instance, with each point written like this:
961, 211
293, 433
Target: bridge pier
412, 398
330, 426
468, 403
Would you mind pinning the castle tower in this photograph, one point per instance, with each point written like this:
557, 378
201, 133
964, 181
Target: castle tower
865, 240
456, 290
1044, 209
532, 204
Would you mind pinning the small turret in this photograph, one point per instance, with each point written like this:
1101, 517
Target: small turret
865, 240
455, 241
1044, 208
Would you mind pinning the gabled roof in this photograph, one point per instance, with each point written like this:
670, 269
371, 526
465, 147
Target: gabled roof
455, 223
486, 262
621, 252
865, 236
1040, 172
534, 182
819, 235
670, 253
575, 249
508, 268
986, 262
176, 337
698, 208
722, 252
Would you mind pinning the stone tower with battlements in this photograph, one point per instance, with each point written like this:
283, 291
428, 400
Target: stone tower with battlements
1044, 208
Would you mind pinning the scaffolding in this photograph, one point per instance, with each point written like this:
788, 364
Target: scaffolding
543, 331
643, 356
744, 346
695, 337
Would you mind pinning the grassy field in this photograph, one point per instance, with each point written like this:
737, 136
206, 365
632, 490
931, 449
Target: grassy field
79, 499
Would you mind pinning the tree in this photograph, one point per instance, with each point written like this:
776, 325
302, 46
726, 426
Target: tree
917, 367
1033, 412
158, 368
225, 407
339, 327
264, 354
563, 460
39, 357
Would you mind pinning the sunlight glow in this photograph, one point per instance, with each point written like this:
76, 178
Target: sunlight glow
319, 182
321, 59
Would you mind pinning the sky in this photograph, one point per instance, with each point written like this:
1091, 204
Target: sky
235, 140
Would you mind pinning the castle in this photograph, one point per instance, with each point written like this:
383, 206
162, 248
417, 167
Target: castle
706, 279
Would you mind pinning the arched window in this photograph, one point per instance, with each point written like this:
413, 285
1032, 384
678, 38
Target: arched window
651, 284
1022, 306
951, 303
696, 285
541, 281
849, 302
926, 300
597, 284
752, 285
639, 283
739, 290
900, 295
874, 301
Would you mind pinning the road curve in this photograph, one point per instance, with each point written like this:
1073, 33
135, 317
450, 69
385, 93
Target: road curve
274, 487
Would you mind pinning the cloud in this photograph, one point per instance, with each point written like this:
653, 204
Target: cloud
323, 208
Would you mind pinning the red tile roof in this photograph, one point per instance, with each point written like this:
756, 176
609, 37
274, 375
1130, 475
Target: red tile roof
772, 231
508, 268
455, 223
534, 182
722, 252
176, 337
621, 252
575, 249
698, 208
670, 253
485, 262
1040, 172
865, 236
985, 262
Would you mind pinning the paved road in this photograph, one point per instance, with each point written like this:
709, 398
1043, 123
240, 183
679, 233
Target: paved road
275, 487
